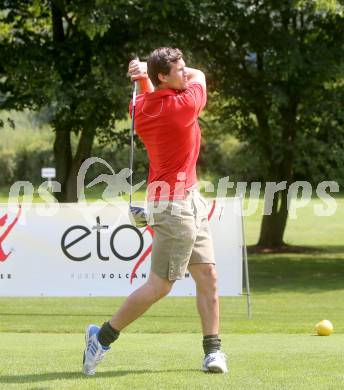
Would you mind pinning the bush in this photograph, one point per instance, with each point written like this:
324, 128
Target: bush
24, 149
27, 148
229, 157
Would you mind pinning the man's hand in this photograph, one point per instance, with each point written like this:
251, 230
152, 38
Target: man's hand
137, 70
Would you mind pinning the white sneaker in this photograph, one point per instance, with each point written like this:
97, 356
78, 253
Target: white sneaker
215, 362
94, 352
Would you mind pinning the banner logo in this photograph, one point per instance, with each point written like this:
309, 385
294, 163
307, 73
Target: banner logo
4, 256
76, 233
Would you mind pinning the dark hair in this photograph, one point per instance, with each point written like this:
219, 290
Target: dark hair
159, 61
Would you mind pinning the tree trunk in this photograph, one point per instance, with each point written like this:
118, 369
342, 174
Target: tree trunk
67, 167
83, 152
273, 225
63, 160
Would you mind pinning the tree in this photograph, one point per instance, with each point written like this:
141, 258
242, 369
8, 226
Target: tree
273, 63
70, 57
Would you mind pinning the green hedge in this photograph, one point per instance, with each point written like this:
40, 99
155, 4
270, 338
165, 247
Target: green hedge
27, 148
24, 164
216, 160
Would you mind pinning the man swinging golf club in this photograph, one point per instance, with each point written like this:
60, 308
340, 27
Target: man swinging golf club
170, 101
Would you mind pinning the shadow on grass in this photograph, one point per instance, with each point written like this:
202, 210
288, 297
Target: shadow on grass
297, 250
51, 376
310, 272
333, 249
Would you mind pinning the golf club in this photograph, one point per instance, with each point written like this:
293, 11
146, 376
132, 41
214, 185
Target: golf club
137, 215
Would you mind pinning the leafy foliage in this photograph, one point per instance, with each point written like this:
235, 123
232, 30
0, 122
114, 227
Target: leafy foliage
276, 67
278, 70
69, 58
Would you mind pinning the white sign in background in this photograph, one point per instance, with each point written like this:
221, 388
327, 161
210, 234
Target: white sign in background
77, 251
48, 173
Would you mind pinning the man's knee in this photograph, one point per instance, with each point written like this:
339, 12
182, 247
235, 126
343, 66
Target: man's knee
164, 289
205, 276
160, 287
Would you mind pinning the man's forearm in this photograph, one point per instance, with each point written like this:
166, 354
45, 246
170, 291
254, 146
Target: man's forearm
145, 85
195, 75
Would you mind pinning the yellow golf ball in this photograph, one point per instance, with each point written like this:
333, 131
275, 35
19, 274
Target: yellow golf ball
324, 328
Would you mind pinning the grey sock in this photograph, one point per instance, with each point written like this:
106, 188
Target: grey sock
107, 334
211, 343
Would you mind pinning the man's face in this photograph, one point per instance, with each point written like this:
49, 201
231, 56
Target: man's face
177, 78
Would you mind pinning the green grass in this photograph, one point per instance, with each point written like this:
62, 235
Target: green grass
274, 311
146, 361
41, 339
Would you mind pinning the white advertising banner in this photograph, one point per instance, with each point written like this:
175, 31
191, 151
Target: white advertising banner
93, 250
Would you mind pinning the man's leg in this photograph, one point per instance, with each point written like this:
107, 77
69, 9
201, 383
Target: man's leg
98, 340
205, 278
140, 301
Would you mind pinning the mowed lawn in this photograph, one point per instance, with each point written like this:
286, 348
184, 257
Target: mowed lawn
41, 339
149, 361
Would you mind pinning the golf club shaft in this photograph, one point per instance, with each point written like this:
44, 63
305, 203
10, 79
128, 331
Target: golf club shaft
131, 162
